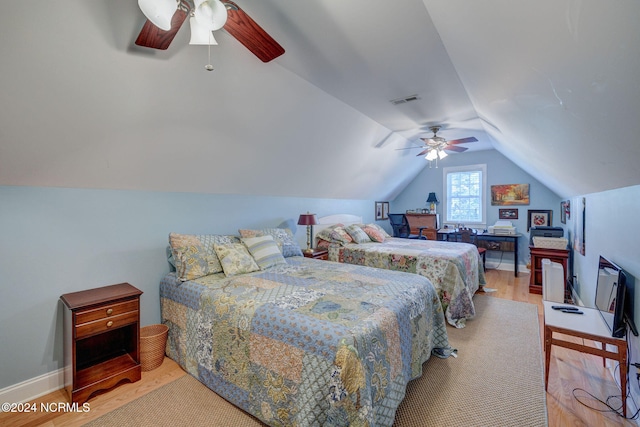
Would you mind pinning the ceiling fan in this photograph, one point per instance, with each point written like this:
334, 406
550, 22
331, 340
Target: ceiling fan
165, 17
436, 146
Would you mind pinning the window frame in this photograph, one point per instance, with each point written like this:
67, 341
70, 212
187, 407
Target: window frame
482, 168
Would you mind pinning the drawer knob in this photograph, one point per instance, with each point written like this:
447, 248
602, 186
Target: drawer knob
109, 323
110, 312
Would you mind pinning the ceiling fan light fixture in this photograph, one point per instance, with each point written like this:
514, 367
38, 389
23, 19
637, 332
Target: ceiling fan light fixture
200, 35
442, 154
159, 12
431, 155
211, 14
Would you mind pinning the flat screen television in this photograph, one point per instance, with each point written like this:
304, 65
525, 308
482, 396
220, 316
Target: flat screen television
614, 298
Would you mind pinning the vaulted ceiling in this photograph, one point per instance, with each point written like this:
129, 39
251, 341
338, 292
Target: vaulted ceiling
554, 85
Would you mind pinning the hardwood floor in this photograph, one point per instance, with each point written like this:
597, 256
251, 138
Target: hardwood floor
569, 370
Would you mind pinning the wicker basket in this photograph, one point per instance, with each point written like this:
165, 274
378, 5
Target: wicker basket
153, 340
550, 242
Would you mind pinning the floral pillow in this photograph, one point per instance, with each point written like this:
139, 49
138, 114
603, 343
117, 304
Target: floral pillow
264, 251
325, 233
235, 259
380, 229
340, 235
373, 233
282, 236
191, 257
357, 234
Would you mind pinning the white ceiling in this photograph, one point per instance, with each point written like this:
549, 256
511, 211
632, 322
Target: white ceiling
554, 85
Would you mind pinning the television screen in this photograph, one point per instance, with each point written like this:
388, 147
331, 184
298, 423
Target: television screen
612, 298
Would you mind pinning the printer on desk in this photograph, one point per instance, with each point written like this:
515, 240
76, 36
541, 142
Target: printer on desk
502, 228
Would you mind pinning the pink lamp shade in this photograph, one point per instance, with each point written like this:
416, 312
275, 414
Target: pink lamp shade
307, 219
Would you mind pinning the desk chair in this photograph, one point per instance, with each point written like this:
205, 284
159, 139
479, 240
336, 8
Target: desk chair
468, 235
401, 228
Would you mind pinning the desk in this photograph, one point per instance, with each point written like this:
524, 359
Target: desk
491, 242
588, 326
424, 225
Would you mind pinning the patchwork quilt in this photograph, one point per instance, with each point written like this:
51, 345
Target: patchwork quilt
455, 269
307, 343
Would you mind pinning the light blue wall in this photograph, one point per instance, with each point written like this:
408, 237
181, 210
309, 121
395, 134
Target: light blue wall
500, 170
610, 230
55, 241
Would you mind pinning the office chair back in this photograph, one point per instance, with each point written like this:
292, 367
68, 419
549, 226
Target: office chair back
400, 226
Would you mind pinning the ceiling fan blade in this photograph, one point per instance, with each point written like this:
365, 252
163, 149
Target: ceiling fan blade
422, 153
455, 148
410, 148
155, 38
250, 34
462, 141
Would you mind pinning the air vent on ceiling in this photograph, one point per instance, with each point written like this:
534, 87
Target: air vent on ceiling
404, 100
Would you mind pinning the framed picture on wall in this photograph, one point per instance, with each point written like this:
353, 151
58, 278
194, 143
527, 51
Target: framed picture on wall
509, 194
382, 211
539, 218
508, 213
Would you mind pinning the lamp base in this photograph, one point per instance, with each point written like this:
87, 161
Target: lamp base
308, 251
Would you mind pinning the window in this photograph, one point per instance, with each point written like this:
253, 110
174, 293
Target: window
465, 194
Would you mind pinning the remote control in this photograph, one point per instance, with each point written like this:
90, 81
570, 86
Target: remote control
571, 311
564, 307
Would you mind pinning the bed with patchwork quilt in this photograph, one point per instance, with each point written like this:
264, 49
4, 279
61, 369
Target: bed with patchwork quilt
455, 269
303, 341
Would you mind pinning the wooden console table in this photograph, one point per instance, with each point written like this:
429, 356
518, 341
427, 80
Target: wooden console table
423, 224
589, 326
560, 256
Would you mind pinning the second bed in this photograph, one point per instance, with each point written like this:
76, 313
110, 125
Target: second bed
455, 269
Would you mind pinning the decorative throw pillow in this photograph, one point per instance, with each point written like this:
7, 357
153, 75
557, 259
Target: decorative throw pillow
357, 234
235, 259
264, 250
191, 258
380, 229
340, 235
374, 234
325, 234
282, 236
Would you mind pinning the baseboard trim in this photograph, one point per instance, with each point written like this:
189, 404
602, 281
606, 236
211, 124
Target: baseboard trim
507, 266
33, 388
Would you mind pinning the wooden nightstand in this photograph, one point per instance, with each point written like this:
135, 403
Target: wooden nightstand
101, 339
317, 254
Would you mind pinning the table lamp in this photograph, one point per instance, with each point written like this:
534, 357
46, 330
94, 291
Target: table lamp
433, 200
309, 220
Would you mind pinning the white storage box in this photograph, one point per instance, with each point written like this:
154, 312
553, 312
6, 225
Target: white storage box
550, 242
552, 281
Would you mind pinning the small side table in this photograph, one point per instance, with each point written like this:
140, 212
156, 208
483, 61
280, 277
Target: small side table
317, 254
101, 339
589, 326
560, 256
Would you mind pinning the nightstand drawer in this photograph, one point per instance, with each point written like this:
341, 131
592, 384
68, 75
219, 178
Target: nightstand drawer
106, 324
105, 311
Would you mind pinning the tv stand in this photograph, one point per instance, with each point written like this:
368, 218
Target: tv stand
589, 326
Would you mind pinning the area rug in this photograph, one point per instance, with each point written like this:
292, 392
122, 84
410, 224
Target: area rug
496, 380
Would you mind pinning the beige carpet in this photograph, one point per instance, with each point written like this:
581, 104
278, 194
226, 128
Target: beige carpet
496, 380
